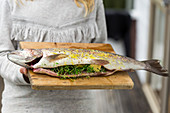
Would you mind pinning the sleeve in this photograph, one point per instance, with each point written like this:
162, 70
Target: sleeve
101, 23
8, 70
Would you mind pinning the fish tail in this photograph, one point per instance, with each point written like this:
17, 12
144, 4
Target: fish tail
155, 67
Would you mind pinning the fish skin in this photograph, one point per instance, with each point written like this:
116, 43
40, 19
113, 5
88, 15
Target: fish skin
87, 56
68, 56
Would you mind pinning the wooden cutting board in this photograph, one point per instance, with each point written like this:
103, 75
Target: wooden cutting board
119, 80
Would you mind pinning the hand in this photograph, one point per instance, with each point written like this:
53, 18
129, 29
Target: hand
24, 71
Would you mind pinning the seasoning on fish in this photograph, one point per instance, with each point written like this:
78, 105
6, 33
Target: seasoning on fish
62, 62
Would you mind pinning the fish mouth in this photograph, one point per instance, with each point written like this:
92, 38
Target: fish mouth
33, 62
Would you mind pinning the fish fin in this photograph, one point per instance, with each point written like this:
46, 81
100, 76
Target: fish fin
55, 57
99, 62
155, 67
110, 73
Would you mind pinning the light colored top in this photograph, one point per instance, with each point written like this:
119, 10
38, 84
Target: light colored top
45, 21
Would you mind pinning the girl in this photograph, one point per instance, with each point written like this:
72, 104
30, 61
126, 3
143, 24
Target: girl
80, 21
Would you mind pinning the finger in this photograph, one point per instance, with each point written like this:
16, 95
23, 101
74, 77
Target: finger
23, 71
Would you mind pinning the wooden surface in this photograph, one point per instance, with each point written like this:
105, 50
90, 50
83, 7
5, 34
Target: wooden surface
119, 80
123, 101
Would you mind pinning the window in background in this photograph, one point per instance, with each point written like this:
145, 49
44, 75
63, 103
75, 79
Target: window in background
156, 88
158, 46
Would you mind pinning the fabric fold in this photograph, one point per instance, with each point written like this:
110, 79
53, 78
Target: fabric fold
80, 34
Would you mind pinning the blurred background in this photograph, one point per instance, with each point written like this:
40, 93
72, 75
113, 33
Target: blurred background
139, 29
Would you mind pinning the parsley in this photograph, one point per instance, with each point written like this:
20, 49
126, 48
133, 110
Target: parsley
63, 71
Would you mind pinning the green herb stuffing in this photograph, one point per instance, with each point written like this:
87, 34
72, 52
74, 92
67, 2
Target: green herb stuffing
75, 70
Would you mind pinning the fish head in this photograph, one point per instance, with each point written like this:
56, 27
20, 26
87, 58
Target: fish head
25, 56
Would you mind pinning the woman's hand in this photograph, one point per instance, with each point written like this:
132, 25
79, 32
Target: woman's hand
24, 71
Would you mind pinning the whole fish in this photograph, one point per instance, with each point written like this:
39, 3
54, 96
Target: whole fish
51, 61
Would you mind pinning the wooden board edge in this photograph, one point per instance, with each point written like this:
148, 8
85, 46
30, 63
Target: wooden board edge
24, 45
31, 82
21, 43
80, 87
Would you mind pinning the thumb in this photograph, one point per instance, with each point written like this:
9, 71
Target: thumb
23, 71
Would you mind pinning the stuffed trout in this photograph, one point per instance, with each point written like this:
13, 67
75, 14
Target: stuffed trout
62, 62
